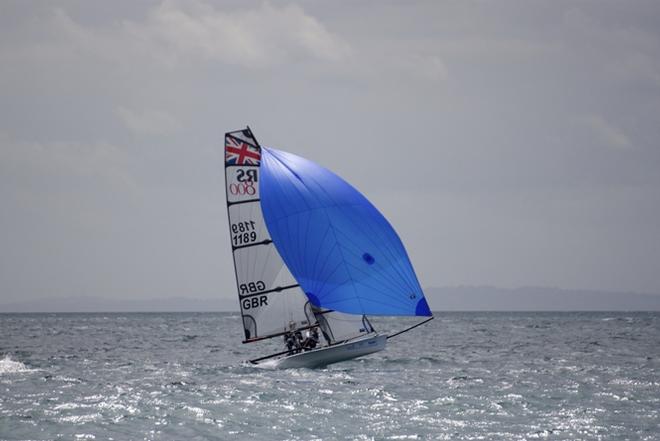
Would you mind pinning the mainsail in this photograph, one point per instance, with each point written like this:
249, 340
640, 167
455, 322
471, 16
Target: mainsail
270, 298
310, 250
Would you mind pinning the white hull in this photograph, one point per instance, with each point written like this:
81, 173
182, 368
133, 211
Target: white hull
330, 354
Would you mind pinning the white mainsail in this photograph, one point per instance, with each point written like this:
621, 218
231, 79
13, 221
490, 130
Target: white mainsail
270, 299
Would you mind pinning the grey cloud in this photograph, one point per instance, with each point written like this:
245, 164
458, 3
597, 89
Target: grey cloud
509, 143
606, 133
148, 121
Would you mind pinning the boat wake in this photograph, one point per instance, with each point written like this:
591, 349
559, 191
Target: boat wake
268, 365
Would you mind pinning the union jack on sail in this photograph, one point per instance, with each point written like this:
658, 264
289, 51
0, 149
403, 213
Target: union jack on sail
241, 153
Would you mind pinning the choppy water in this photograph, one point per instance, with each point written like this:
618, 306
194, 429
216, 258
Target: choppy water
494, 376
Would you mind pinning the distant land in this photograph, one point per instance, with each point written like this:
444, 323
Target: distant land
488, 298
462, 298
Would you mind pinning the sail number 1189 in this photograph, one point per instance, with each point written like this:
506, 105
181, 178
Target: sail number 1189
243, 233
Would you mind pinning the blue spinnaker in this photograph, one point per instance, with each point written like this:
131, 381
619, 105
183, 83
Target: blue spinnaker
342, 251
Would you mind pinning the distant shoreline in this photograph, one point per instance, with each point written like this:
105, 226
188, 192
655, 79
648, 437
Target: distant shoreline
454, 299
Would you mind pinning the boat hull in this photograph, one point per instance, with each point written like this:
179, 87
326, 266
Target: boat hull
330, 354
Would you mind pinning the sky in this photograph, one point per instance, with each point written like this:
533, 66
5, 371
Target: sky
510, 143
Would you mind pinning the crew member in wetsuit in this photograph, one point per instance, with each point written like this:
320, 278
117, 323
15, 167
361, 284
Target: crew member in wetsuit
298, 340
312, 340
289, 341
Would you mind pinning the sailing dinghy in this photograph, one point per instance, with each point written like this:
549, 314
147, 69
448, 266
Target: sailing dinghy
313, 258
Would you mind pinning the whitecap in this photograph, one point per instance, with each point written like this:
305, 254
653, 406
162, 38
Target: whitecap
9, 366
198, 412
81, 419
68, 406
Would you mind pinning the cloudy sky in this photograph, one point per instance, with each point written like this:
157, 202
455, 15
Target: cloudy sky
509, 143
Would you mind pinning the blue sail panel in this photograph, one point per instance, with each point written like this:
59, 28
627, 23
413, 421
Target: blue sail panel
342, 251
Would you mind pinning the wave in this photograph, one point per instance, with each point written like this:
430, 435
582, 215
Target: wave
9, 366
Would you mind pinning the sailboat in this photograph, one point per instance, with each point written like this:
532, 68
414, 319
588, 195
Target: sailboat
313, 258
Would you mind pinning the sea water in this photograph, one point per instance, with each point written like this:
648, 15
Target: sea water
463, 376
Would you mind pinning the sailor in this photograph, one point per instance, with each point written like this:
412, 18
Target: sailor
298, 340
289, 341
311, 340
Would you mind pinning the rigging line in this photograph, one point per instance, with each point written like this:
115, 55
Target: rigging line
411, 327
